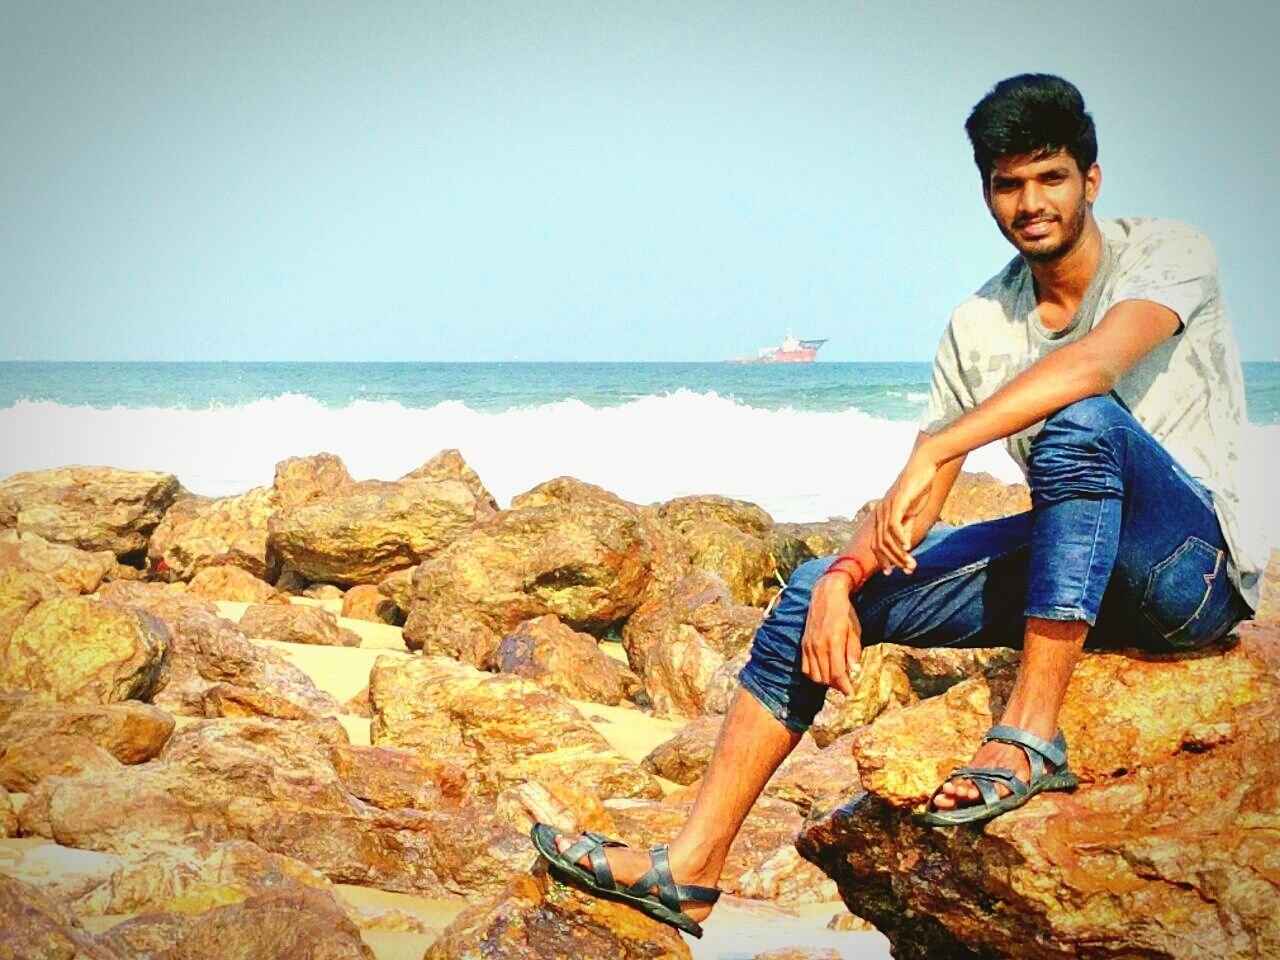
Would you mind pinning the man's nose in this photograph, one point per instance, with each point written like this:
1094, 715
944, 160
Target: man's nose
1031, 199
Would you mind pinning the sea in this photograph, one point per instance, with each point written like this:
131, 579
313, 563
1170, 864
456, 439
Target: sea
805, 441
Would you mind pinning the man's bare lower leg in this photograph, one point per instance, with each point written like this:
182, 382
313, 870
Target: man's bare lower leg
751, 745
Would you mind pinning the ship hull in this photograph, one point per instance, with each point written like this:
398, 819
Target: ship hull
781, 356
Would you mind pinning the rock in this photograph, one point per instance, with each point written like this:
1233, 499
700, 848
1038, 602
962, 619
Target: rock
817, 779
20, 591
678, 639
302, 480
292, 623
1269, 607
230, 531
230, 700
556, 802
795, 543
72, 569
559, 658
235, 584
398, 588
289, 921
8, 818
392, 779
274, 782
739, 514
587, 560
372, 529
208, 651
724, 684
449, 465
894, 676
365, 601
147, 937
323, 591
845, 922
740, 559
684, 757
1164, 851
759, 865
975, 497
34, 927
501, 729
26, 763
74, 649
537, 918
131, 732
93, 508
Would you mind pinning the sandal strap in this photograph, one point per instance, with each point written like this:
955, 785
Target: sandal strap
591, 845
1054, 751
659, 879
995, 775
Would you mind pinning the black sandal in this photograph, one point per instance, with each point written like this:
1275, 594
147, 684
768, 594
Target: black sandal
664, 905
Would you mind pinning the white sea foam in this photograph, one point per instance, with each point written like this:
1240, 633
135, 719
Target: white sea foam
798, 465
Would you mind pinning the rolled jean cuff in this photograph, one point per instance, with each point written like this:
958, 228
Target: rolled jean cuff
771, 703
1061, 613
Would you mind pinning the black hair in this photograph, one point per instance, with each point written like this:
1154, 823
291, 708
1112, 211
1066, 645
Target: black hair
1032, 113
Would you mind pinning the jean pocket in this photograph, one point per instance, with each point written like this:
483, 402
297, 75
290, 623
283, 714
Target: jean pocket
1179, 589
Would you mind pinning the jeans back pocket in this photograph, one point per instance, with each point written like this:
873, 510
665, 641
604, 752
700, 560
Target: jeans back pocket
1179, 591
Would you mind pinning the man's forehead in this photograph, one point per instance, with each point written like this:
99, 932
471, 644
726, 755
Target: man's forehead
1030, 164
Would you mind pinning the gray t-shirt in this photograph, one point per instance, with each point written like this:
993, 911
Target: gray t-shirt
1188, 392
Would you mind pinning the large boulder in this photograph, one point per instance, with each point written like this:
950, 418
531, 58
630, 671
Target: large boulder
21, 590
538, 918
1269, 607
235, 584
1164, 851
679, 638
35, 927
27, 762
582, 556
728, 538
93, 508
817, 780
75, 649
366, 601
131, 732
501, 729
209, 652
449, 465
294, 623
739, 514
795, 543
198, 532
275, 783
684, 757
73, 569
560, 658
371, 529
975, 497
300, 480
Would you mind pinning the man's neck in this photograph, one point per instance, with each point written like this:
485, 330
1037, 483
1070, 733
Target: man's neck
1062, 283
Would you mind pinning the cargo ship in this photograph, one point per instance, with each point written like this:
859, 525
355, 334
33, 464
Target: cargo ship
791, 350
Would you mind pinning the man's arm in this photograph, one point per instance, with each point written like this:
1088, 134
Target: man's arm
1089, 367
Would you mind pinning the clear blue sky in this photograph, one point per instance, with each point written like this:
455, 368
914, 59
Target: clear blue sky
579, 180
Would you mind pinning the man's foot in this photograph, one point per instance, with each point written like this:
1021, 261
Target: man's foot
629, 865
959, 792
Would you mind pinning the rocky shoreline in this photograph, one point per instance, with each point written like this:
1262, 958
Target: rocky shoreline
167, 754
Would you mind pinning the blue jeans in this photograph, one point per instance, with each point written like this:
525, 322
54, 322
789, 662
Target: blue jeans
1118, 536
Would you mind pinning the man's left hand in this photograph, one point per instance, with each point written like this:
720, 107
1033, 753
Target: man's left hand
892, 527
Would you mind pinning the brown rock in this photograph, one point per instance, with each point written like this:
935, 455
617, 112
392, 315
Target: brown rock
678, 639
398, 588
891, 675
208, 650
230, 700
130, 731
1158, 854
391, 779
80, 650
586, 560
230, 531
795, 543
449, 465
93, 508
34, 927
323, 591
20, 591
684, 757
562, 804
301, 480
561, 659
365, 601
724, 685
26, 763
235, 584
817, 779
503, 730
728, 538
369, 530
147, 937
8, 818
290, 921
274, 783
72, 569
975, 497
1269, 607
739, 514
537, 918
293, 623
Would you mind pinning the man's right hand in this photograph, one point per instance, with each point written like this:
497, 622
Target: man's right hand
832, 645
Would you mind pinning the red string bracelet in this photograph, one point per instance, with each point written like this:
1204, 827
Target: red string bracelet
840, 565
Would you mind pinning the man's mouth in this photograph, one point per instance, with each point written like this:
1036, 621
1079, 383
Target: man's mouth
1035, 228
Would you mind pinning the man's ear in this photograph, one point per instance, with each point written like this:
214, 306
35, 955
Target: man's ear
1092, 183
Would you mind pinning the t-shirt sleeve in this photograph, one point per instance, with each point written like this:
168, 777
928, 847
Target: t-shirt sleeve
1177, 269
949, 395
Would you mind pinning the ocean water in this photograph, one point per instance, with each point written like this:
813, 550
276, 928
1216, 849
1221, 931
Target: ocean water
806, 441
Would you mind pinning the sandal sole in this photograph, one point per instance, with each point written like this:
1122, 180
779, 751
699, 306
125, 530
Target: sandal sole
1062, 780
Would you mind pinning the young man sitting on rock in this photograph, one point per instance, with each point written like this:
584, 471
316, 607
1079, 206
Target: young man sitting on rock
1103, 356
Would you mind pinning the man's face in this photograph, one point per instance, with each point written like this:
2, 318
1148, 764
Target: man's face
1041, 203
